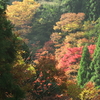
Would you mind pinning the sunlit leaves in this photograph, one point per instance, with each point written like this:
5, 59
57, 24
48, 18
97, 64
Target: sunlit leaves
69, 30
70, 22
89, 92
22, 72
9, 89
21, 14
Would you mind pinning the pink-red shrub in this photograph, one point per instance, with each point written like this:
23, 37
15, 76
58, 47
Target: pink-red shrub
72, 57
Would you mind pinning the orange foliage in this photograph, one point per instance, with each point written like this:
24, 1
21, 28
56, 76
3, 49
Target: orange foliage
56, 37
71, 74
78, 39
45, 50
59, 53
46, 71
70, 22
48, 64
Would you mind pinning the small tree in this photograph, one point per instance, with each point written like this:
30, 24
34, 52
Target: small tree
84, 67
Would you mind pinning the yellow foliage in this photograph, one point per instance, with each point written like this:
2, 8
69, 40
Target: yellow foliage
21, 14
71, 26
31, 69
40, 20
76, 39
70, 22
22, 11
60, 33
89, 92
22, 72
88, 25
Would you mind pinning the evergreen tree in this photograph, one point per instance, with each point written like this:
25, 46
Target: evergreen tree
84, 67
9, 90
44, 19
94, 73
74, 6
85, 8
89, 7
94, 12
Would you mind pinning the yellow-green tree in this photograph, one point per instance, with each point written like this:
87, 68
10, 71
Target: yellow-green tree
21, 14
70, 22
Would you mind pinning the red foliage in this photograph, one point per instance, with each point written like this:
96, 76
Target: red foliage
72, 57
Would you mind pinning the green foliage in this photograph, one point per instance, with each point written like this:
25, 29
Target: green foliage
92, 30
23, 72
97, 25
16, 74
2, 5
8, 87
74, 6
73, 90
94, 12
94, 72
89, 7
43, 22
84, 67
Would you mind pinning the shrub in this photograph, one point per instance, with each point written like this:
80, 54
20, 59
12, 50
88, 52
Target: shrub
73, 90
89, 92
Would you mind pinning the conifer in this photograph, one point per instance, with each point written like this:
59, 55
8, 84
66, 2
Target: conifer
94, 6
9, 90
84, 67
94, 73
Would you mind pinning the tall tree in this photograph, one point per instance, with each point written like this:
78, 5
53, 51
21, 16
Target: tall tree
21, 15
94, 73
9, 90
84, 67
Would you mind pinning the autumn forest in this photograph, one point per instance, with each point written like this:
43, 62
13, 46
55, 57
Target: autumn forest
49, 50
